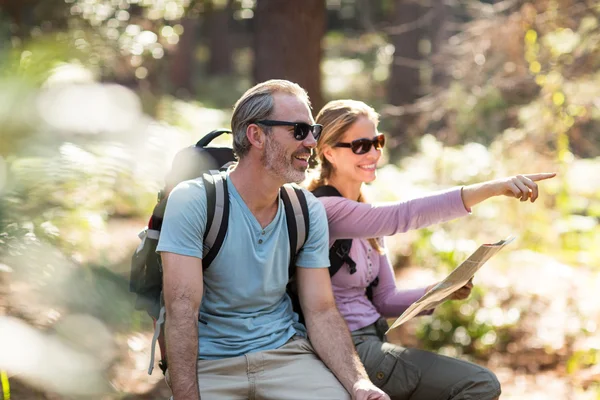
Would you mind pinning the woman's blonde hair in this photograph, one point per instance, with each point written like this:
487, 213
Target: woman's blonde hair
337, 117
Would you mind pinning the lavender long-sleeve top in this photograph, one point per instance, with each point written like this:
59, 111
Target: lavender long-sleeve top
349, 219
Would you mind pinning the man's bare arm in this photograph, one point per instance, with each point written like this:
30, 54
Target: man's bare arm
182, 290
329, 333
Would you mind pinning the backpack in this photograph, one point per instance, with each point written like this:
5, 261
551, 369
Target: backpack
209, 163
339, 252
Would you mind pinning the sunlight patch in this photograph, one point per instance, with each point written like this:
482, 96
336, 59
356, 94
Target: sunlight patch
3, 173
48, 362
90, 108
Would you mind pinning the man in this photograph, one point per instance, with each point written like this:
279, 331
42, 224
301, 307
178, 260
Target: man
251, 345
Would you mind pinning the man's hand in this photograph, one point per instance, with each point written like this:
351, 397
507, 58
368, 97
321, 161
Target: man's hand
364, 389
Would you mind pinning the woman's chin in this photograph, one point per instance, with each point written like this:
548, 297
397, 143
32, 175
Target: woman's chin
369, 177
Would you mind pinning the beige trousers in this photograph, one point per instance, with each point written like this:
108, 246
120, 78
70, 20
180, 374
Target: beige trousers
291, 372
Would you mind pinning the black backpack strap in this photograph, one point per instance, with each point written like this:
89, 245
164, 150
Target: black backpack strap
296, 213
217, 216
210, 136
326, 191
339, 253
370, 289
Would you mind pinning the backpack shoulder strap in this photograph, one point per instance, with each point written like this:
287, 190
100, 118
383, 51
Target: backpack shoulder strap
296, 213
326, 191
339, 253
371, 288
217, 215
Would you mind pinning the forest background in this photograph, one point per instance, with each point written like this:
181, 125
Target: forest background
96, 96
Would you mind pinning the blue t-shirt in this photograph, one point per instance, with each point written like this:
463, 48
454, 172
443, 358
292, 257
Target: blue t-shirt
245, 303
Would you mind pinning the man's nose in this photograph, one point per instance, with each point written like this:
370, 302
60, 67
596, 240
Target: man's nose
309, 141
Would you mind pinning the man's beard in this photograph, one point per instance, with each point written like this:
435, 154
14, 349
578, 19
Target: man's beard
275, 159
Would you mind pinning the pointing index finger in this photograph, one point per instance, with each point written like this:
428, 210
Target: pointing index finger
541, 176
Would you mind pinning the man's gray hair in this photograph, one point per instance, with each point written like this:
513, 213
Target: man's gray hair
257, 104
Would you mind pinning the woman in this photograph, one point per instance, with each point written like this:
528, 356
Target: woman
348, 152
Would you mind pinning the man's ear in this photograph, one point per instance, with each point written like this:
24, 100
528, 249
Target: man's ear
256, 136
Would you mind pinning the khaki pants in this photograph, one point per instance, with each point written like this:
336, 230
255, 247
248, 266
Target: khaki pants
290, 372
411, 374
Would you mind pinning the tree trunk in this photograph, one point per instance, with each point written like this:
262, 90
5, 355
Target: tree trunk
287, 43
439, 35
364, 9
404, 85
219, 42
21, 15
182, 60
406, 32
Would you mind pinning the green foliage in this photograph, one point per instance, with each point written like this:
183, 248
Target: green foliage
435, 243
543, 86
356, 67
110, 32
455, 324
479, 115
69, 195
99, 292
220, 92
583, 359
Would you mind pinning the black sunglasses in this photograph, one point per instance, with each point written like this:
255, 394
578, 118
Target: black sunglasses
301, 129
363, 146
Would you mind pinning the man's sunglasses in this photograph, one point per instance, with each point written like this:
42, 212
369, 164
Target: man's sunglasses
363, 146
301, 129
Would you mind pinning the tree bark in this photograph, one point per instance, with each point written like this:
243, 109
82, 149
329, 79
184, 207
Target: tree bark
182, 60
287, 43
219, 42
406, 32
439, 35
364, 9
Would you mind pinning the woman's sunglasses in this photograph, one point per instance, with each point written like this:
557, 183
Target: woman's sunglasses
301, 129
363, 146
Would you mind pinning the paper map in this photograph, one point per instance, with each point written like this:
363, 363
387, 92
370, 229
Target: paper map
457, 279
